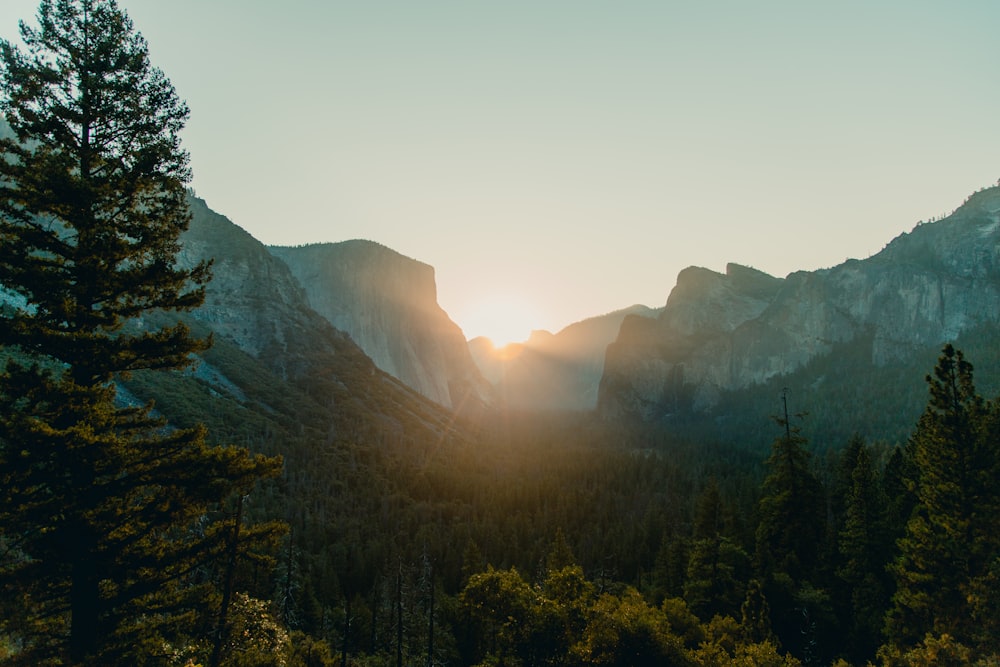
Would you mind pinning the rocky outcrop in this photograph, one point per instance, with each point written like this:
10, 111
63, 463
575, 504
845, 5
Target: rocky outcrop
252, 299
387, 303
558, 371
728, 331
256, 304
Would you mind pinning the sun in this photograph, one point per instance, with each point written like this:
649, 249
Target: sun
504, 319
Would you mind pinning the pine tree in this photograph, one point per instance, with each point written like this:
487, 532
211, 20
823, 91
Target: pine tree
755, 615
951, 540
791, 529
898, 498
98, 502
716, 566
864, 553
789, 536
560, 555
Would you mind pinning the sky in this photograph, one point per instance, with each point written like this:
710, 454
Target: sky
559, 159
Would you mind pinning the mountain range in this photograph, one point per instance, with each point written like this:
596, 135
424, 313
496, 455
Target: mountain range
726, 335
715, 355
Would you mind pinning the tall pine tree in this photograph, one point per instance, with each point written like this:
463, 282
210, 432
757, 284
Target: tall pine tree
789, 538
864, 551
791, 528
716, 566
951, 543
98, 502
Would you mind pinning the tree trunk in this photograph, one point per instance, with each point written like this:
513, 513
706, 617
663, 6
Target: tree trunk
227, 590
84, 604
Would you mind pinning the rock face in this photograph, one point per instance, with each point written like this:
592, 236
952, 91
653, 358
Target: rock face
255, 303
558, 371
253, 299
721, 332
387, 303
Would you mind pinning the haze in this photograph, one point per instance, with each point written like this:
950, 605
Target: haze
559, 160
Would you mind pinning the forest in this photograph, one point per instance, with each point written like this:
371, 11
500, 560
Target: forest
148, 519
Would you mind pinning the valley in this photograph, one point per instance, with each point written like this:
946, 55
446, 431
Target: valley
384, 486
221, 452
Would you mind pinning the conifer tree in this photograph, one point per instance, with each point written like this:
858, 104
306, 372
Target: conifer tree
790, 529
755, 615
97, 500
716, 566
898, 497
951, 540
560, 554
864, 553
789, 536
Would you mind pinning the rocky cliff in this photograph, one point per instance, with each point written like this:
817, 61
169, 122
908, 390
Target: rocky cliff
723, 332
255, 304
252, 299
558, 371
387, 303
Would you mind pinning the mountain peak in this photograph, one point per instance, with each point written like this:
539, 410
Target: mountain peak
387, 303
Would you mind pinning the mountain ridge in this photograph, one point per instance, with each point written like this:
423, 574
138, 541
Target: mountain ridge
729, 332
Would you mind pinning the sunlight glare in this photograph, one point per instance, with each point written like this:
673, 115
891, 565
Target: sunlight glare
503, 319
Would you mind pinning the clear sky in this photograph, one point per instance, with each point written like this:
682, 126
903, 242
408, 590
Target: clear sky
559, 159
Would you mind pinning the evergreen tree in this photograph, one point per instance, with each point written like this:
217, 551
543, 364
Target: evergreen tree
560, 555
791, 528
789, 536
670, 566
755, 615
864, 554
843, 482
708, 511
951, 541
98, 502
898, 498
716, 566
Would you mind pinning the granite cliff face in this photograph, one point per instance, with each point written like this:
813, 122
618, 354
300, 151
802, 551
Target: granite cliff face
252, 299
558, 371
256, 304
721, 332
387, 303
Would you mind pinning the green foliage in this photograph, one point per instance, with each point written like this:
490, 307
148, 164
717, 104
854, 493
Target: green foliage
755, 615
951, 539
790, 527
864, 550
932, 651
625, 631
105, 510
789, 539
560, 555
564, 622
717, 570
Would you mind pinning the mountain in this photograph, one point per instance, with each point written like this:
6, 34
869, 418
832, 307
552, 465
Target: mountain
387, 303
721, 334
558, 371
276, 348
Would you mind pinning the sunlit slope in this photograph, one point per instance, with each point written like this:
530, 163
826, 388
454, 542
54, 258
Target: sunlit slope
387, 303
